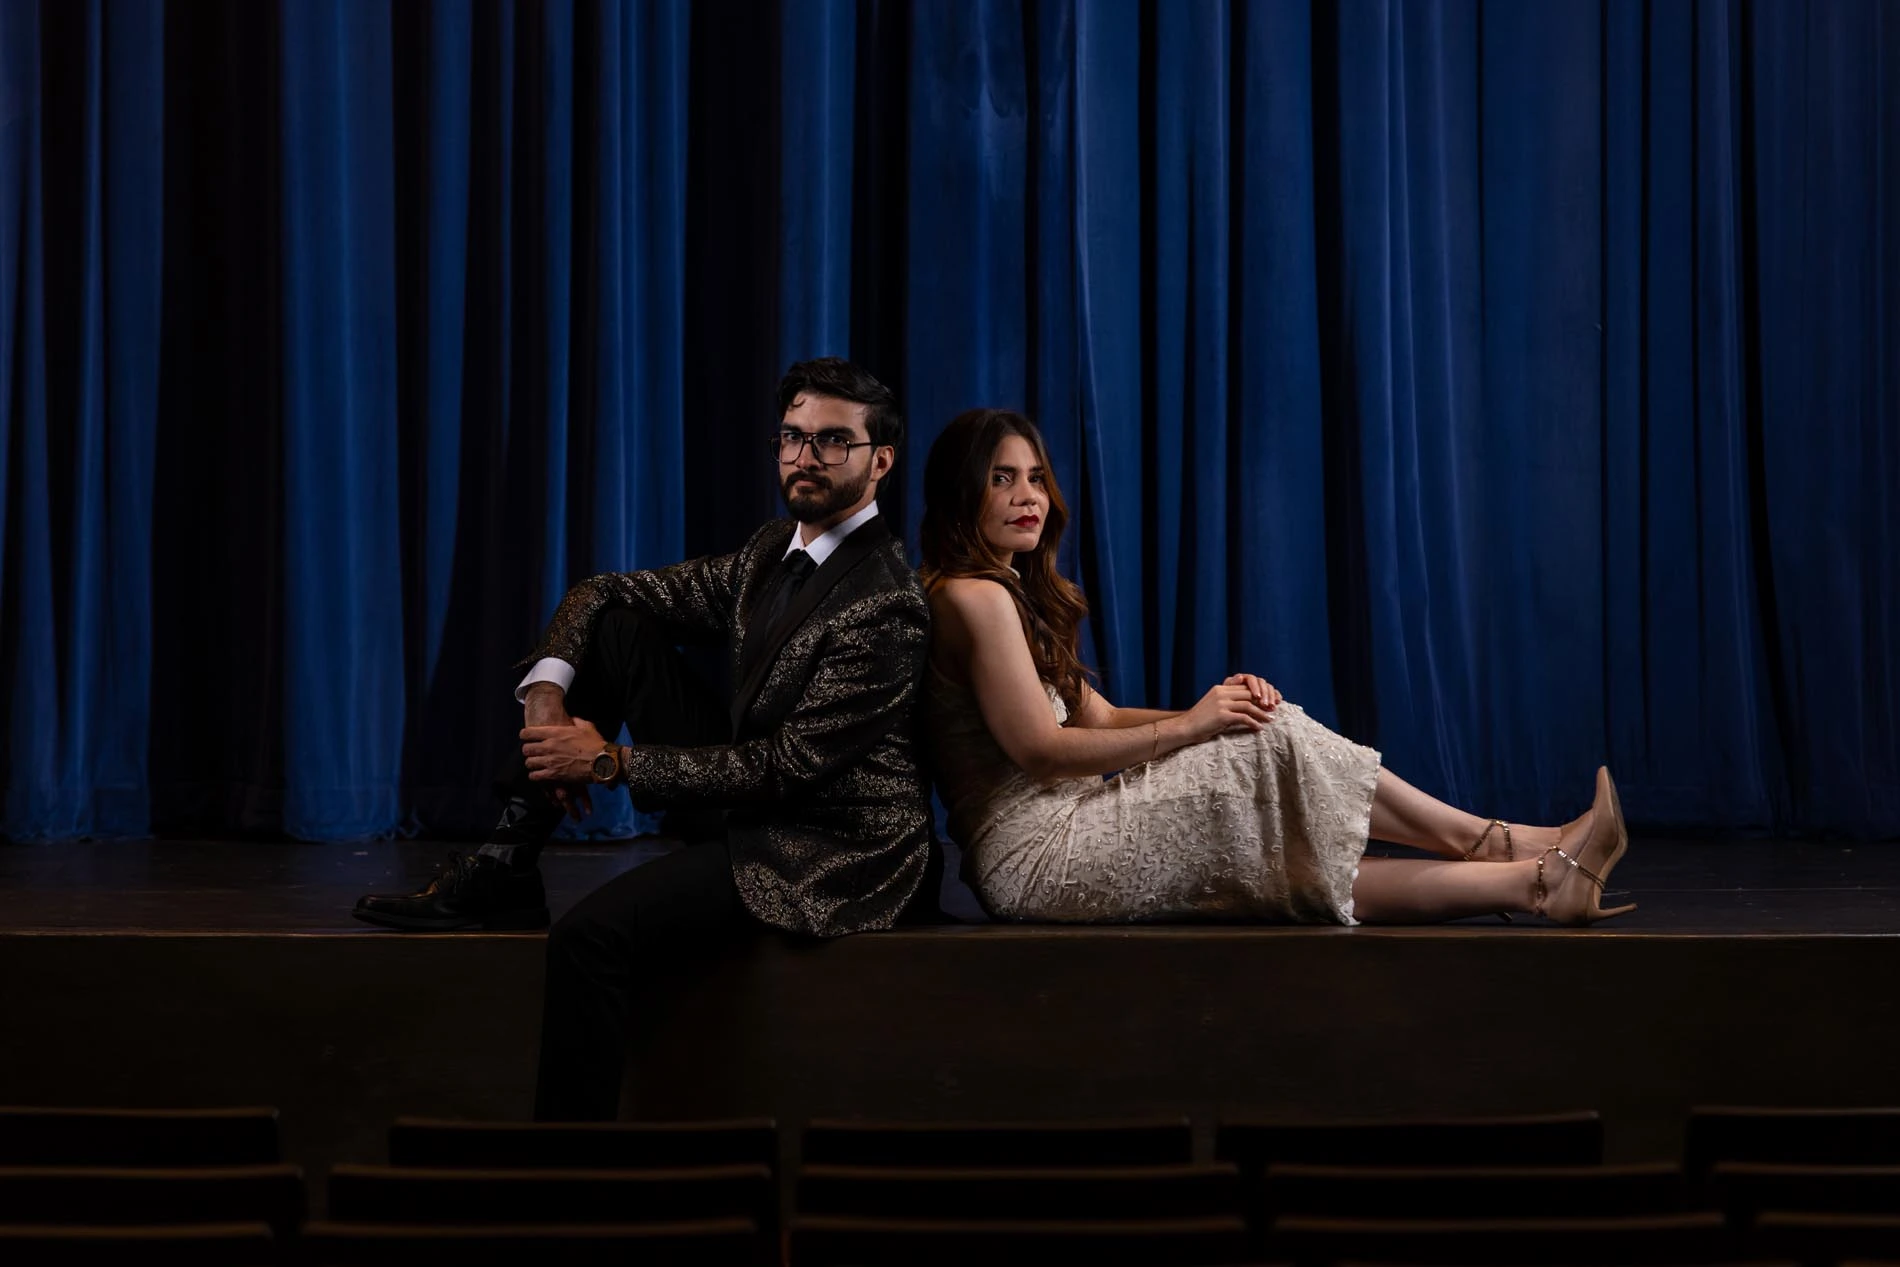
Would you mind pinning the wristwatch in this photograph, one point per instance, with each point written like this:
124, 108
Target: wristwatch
607, 765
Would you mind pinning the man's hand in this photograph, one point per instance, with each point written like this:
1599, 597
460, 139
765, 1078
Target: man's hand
546, 705
562, 754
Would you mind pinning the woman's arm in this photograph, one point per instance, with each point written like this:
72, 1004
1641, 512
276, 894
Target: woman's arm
1097, 713
978, 624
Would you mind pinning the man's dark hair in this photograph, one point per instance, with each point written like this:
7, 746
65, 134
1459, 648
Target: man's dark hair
839, 379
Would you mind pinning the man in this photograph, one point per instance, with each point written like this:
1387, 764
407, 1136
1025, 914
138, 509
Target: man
828, 825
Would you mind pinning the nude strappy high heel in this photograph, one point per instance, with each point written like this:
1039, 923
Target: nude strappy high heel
1607, 839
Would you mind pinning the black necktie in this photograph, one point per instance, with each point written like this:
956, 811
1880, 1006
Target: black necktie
793, 570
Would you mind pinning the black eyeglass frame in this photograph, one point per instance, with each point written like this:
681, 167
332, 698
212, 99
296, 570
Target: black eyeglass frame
783, 438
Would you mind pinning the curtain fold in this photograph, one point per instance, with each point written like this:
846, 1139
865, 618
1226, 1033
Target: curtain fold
1529, 409
1409, 274
1512, 384
1278, 417
133, 248
82, 157
969, 142
1097, 441
1819, 191
343, 692
817, 124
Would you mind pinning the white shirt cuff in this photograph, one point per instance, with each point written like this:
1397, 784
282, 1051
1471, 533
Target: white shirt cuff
559, 672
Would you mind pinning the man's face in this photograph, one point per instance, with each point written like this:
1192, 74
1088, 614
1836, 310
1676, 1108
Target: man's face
817, 493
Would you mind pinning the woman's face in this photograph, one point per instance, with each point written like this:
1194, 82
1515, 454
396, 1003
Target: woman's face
1015, 503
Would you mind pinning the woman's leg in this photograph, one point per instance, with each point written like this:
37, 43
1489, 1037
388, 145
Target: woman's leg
1406, 816
1559, 884
1429, 891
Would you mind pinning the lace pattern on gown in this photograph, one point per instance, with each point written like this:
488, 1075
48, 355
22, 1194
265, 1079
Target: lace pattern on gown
1267, 826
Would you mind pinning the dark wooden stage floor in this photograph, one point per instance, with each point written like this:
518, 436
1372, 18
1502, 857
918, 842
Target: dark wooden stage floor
1684, 888
188, 973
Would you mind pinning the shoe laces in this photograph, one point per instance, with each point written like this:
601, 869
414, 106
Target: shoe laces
460, 865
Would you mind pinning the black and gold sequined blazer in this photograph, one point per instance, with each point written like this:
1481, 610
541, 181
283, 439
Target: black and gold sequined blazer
828, 819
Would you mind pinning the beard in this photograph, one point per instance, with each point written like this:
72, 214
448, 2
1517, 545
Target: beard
811, 505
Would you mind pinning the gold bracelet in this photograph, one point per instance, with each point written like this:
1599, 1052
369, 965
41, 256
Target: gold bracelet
1155, 747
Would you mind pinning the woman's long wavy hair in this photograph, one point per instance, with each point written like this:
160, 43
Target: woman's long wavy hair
956, 481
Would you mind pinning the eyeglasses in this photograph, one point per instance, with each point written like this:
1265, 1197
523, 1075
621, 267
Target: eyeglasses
832, 448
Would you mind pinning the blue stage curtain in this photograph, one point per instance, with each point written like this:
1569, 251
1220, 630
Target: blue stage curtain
80, 225
1511, 383
817, 77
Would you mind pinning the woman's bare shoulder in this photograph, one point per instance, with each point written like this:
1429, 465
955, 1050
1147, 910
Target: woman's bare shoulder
970, 596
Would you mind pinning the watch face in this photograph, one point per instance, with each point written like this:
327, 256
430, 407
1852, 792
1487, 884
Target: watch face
604, 766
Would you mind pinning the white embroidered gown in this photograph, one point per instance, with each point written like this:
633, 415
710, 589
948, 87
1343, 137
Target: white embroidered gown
1267, 826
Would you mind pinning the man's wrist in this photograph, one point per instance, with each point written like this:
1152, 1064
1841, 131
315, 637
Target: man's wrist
544, 704
556, 672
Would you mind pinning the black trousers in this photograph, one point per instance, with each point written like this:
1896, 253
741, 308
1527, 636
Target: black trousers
677, 907
633, 676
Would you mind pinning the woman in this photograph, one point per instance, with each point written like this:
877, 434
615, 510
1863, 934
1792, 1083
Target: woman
1241, 807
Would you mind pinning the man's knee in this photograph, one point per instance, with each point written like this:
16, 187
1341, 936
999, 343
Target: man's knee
625, 647
630, 627
614, 922
581, 935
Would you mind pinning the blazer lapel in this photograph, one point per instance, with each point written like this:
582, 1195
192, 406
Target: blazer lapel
758, 657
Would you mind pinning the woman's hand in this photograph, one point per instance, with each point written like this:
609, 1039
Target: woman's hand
562, 754
1264, 693
1224, 708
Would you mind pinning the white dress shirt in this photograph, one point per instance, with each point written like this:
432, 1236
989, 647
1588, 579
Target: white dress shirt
561, 673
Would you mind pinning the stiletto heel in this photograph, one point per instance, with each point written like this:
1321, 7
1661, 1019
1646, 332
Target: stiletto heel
1608, 836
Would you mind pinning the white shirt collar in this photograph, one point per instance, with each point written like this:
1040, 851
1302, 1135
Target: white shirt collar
830, 538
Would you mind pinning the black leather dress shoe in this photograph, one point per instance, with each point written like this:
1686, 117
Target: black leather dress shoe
469, 891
